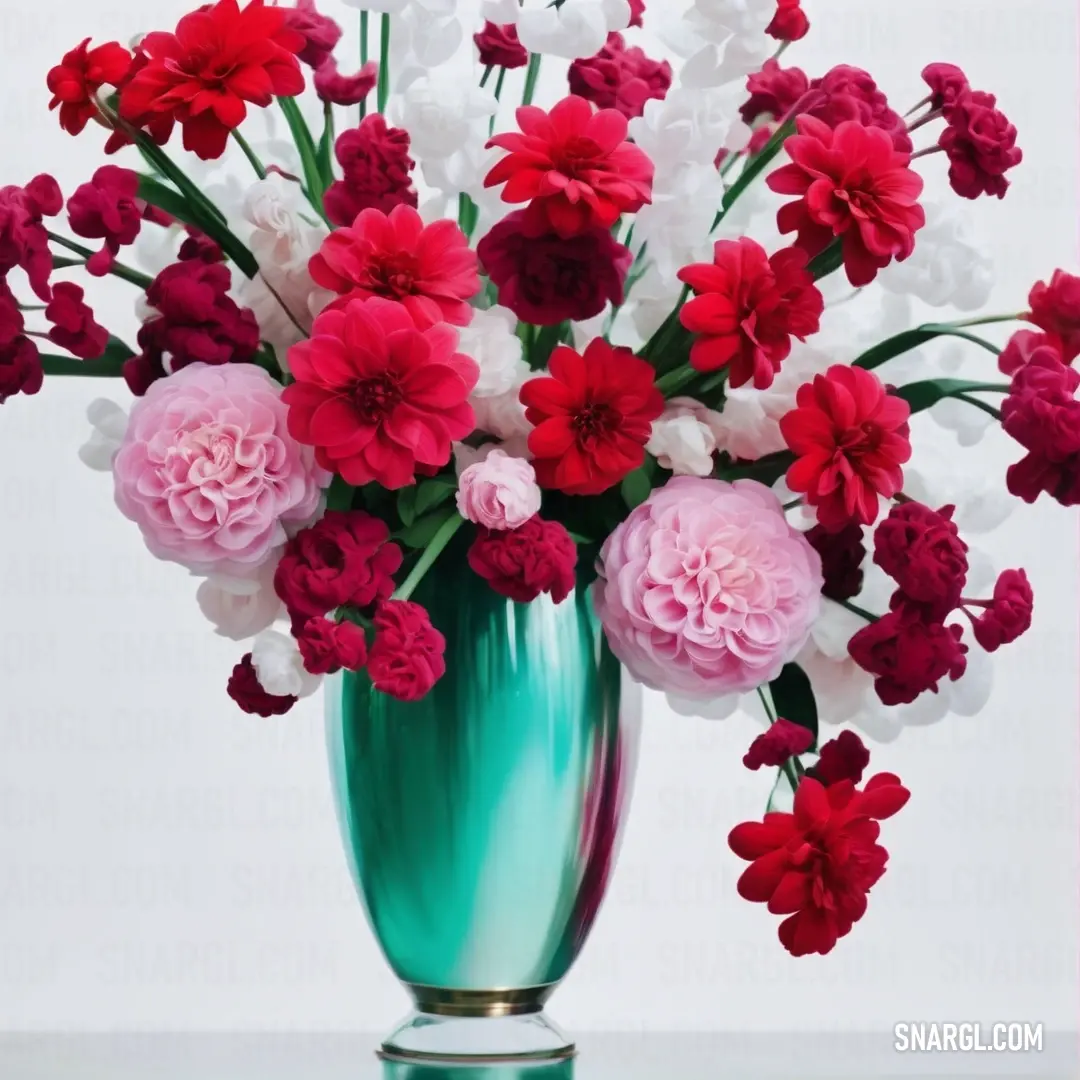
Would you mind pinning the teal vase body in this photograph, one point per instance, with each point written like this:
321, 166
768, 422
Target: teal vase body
481, 823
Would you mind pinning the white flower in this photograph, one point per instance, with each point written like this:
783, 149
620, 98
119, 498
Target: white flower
280, 667
109, 423
399, 7
946, 268
722, 40
240, 608
652, 300
683, 439
441, 113
503, 415
579, 28
422, 40
465, 455
490, 340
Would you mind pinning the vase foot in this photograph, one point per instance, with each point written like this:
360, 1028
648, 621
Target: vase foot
521, 1039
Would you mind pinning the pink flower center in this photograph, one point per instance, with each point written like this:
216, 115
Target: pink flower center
576, 153
595, 423
374, 398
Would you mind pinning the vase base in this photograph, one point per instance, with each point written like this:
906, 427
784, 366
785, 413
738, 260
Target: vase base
522, 1039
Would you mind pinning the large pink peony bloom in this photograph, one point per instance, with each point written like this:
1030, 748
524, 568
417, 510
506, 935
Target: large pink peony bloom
705, 589
208, 470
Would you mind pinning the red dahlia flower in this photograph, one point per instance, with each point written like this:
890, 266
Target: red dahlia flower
1055, 308
748, 308
219, 58
427, 268
374, 159
499, 46
537, 557
1008, 615
789, 23
775, 746
850, 439
573, 166
981, 144
105, 208
817, 864
545, 279
592, 416
80, 75
842, 758
246, 690
853, 184
620, 78
24, 240
407, 657
73, 325
379, 394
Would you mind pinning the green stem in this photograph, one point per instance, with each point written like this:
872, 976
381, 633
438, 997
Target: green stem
305, 145
986, 320
531, 75
429, 555
498, 96
989, 409
384, 63
256, 164
118, 269
487, 75
363, 54
856, 610
674, 381
103, 368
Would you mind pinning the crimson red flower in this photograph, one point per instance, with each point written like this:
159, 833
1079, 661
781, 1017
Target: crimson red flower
194, 321
545, 279
850, 439
947, 84
637, 12
427, 268
748, 308
842, 553
981, 144
75, 81
907, 654
340, 89
24, 240
817, 864
219, 58
592, 416
11, 317
73, 322
1024, 345
1042, 414
246, 690
789, 23
573, 166
499, 46
344, 558
105, 208
198, 246
842, 758
852, 184
1055, 308
374, 159
537, 557
773, 91
620, 78
775, 746
407, 657
320, 32
378, 394
327, 646
921, 550
851, 94
1008, 615
20, 368
157, 125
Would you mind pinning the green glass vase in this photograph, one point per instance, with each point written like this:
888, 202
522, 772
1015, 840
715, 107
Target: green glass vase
481, 824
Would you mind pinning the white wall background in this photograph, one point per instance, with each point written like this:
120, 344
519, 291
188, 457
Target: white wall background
167, 862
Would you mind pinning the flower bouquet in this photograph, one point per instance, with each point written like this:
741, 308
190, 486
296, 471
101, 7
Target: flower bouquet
600, 349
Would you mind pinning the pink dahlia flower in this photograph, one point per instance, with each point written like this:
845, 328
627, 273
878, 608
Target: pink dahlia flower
208, 470
705, 589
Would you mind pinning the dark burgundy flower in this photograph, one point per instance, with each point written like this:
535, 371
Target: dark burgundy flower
921, 550
851, 94
344, 558
908, 655
620, 78
947, 84
1055, 308
20, 368
246, 690
75, 81
981, 144
11, 318
537, 557
789, 23
106, 209
194, 321
199, 247
842, 758
545, 279
327, 646
1008, 615
24, 240
320, 32
775, 746
73, 322
377, 171
499, 46
773, 91
340, 89
407, 657
1023, 346
842, 553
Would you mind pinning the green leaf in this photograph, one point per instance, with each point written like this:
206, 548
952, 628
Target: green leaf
406, 505
793, 697
637, 486
755, 166
827, 261
168, 199
423, 530
108, 365
912, 339
546, 341
339, 496
433, 492
922, 395
305, 144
